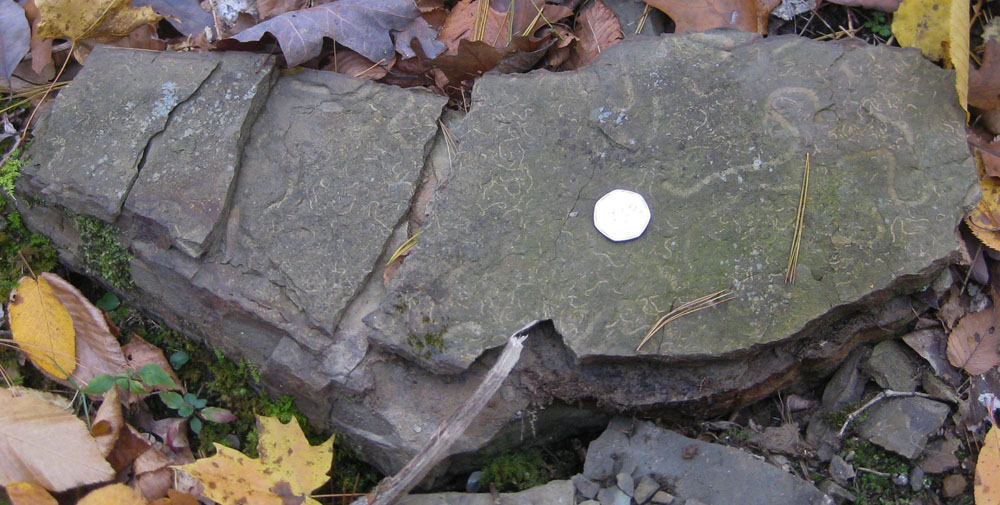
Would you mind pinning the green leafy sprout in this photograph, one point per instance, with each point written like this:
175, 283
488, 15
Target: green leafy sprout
879, 25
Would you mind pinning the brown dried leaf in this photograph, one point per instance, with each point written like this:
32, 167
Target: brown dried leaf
108, 422
984, 82
139, 353
268, 9
41, 48
129, 446
501, 29
45, 445
597, 29
97, 351
973, 343
350, 63
104, 20
700, 15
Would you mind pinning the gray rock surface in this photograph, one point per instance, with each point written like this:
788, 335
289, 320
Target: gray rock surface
645, 489
846, 385
892, 367
557, 492
586, 487
284, 265
903, 425
712, 473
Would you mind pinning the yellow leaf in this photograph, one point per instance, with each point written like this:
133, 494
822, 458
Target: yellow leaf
104, 20
940, 29
45, 445
42, 327
118, 494
987, 488
288, 468
26, 493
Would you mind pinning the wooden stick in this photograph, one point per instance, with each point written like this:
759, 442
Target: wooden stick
448, 432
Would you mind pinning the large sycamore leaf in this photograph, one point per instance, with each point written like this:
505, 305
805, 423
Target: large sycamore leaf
940, 29
700, 15
45, 445
42, 326
15, 37
104, 20
362, 25
987, 488
97, 350
973, 343
288, 468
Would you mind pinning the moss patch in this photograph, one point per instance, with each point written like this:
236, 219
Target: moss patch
511, 472
15, 238
102, 251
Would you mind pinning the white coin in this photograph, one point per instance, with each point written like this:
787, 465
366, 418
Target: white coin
621, 215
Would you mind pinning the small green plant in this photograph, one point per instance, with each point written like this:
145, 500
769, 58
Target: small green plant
9, 172
879, 25
139, 382
516, 471
196, 410
103, 253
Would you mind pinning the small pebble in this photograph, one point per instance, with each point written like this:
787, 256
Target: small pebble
916, 479
645, 489
953, 486
625, 483
901, 479
662, 498
474, 483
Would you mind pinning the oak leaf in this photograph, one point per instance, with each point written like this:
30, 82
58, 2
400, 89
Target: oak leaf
288, 469
597, 29
42, 326
940, 29
104, 20
362, 25
45, 445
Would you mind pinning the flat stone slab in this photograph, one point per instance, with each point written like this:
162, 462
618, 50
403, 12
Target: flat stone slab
903, 425
557, 492
261, 212
694, 470
713, 131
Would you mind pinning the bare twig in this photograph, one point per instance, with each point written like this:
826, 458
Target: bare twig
800, 214
392, 488
879, 397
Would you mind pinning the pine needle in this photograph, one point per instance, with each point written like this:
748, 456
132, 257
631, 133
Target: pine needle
705, 302
405, 246
793, 255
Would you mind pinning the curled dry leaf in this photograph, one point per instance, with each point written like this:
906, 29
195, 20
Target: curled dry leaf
42, 327
973, 343
97, 350
104, 20
108, 422
597, 29
700, 15
984, 82
987, 487
45, 445
353, 64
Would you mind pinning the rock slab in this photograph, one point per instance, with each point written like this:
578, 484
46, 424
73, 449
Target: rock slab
265, 228
696, 470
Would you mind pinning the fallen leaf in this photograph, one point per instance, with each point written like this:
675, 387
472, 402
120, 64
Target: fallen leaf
988, 149
288, 468
267, 9
984, 82
362, 25
42, 327
421, 31
139, 353
97, 350
25, 493
940, 29
117, 494
15, 38
107, 423
186, 16
175, 497
353, 64
499, 29
129, 446
41, 47
987, 487
700, 15
973, 343
597, 29
879, 5
45, 445
104, 20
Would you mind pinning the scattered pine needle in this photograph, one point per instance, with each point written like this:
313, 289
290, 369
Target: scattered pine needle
793, 255
642, 20
705, 302
405, 246
479, 28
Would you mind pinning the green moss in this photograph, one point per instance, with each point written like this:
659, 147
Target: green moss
872, 489
512, 472
102, 251
15, 239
